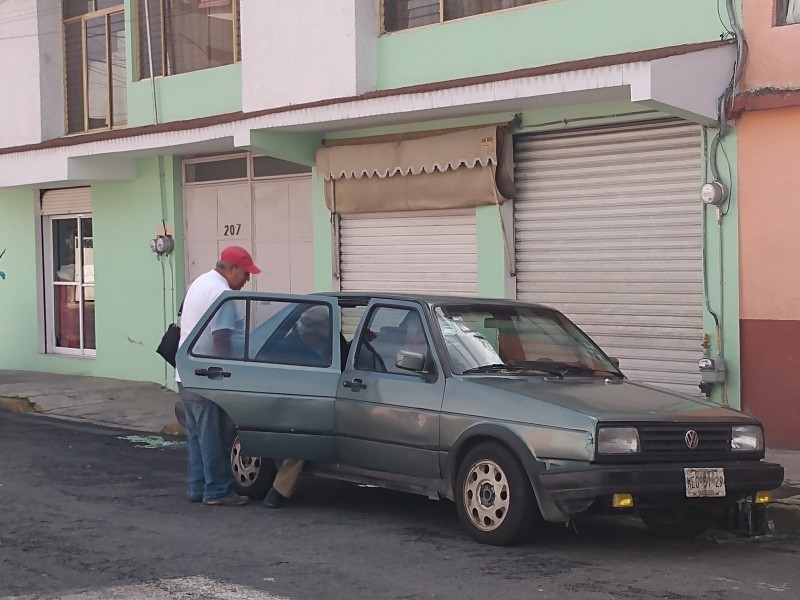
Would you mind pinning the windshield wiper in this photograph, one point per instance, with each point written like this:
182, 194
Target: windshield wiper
500, 367
565, 369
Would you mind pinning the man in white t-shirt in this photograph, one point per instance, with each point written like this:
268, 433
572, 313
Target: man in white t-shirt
210, 477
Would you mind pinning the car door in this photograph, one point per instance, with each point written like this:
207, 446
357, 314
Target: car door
277, 377
388, 418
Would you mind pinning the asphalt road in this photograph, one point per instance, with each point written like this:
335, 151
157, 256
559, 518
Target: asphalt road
86, 515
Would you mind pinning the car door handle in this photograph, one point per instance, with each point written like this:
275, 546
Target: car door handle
356, 385
212, 373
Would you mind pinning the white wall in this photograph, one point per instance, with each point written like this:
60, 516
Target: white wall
31, 108
307, 50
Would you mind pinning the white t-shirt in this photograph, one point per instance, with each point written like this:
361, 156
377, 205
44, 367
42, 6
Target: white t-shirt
201, 294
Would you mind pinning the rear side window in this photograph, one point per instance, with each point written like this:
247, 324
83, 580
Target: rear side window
289, 333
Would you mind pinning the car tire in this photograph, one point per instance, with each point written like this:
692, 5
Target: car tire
494, 498
677, 522
252, 477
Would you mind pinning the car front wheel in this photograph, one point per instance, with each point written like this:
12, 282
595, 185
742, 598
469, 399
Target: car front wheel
252, 476
677, 522
494, 498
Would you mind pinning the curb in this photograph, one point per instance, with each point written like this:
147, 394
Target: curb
17, 405
783, 516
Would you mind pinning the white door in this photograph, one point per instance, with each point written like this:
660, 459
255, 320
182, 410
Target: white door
216, 216
272, 218
416, 252
608, 226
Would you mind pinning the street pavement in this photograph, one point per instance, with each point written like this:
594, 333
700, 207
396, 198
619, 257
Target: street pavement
95, 513
149, 408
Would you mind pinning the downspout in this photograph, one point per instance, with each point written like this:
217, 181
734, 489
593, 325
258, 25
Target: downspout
162, 190
722, 207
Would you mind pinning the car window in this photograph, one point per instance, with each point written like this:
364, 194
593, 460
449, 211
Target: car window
290, 333
389, 331
301, 336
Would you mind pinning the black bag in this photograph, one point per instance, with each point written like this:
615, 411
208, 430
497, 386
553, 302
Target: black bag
168, 347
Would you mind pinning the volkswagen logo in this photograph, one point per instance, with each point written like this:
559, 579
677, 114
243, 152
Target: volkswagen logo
692, 439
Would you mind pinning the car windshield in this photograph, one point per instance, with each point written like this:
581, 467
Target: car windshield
501, 338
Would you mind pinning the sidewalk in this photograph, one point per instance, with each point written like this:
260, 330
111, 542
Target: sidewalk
149, 407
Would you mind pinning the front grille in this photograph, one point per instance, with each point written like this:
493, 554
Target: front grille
670, 440
666, 442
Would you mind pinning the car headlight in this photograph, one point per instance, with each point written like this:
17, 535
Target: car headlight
746, 438
618, 440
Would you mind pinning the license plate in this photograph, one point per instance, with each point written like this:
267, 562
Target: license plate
704, 483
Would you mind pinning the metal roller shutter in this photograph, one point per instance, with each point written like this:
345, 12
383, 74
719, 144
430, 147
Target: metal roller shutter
70, 201
422, 252
608, 226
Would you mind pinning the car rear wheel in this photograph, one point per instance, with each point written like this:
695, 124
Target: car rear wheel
252, 476
494, 498
677, 522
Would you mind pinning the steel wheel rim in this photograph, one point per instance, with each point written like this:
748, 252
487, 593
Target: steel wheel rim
245, 469
487, 495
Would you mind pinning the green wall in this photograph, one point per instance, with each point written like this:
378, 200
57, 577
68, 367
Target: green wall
134, 291
548, 33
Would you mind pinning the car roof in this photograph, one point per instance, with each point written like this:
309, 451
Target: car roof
427, 298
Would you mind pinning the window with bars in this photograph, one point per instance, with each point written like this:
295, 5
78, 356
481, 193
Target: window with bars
180, 36
405, 14
94, 57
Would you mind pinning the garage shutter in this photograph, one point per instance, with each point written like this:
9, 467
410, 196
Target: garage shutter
71, 201
608, 226
425, 252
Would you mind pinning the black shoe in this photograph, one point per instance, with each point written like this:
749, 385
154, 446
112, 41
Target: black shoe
273, 499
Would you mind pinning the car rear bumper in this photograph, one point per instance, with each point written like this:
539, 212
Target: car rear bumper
741, 479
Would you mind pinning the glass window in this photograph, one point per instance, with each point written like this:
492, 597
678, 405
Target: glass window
216, 170
287, 333
72, 284
788, 12
266, 166
388, 332
96, 79
405, 14
187, 35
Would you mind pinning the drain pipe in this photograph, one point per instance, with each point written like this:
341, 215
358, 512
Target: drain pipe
162, 189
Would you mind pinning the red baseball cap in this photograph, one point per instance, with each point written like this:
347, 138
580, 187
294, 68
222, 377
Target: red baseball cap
238, 256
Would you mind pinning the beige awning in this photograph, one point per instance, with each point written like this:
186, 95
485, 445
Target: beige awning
458, 169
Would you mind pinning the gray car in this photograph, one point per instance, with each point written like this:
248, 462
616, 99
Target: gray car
506, 408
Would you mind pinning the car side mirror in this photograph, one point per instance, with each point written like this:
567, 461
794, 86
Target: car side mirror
614, 361
410, 361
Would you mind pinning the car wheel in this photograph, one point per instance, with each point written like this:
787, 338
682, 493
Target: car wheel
676, 522
494, 498
252, 476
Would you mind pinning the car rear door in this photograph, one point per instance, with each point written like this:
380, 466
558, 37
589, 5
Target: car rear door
275, 380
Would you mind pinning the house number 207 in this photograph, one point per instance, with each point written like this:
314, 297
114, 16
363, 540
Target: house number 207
233, 229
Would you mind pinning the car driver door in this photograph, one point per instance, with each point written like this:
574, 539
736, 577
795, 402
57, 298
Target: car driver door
387, 417
277, 377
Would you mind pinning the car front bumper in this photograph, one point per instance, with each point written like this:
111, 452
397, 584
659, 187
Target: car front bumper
741, 479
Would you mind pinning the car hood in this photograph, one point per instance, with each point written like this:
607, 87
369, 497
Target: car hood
615, 400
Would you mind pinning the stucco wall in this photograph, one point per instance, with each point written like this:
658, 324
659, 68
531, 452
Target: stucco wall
769, 214
296, 52
773, 51
19, 73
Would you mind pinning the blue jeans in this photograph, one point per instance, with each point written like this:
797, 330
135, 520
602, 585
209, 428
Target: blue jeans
209, 460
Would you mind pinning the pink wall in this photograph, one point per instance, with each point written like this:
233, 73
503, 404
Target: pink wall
774, 51
769, 214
